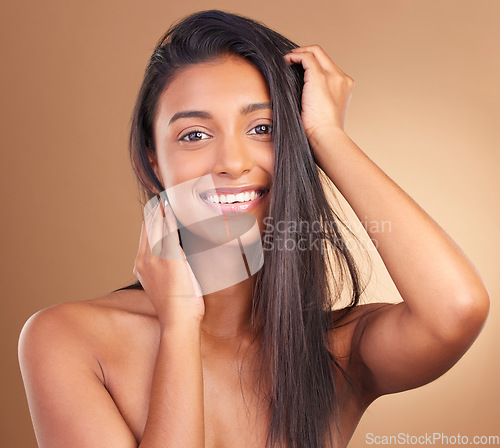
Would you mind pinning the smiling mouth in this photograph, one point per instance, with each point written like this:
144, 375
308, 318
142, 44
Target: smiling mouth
232, 198
223, 200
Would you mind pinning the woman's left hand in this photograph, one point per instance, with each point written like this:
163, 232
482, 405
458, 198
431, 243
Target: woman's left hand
326, 95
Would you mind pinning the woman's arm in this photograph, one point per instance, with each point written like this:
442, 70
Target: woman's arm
445, 301
176, 413
69, 403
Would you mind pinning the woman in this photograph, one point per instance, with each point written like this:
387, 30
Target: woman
228, 107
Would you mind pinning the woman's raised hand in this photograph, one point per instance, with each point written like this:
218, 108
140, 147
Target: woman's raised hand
326, 95
164, 272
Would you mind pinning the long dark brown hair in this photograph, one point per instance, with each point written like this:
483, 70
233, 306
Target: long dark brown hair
292, 297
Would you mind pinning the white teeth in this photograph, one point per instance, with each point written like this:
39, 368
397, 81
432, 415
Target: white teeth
231, 198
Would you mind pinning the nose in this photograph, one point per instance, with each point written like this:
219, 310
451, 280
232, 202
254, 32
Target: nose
233, 158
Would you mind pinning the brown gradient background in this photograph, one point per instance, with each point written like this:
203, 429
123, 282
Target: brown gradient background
425, 108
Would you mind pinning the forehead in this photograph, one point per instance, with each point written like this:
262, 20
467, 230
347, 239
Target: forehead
229, 79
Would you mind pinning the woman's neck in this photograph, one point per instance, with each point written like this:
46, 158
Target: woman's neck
227, 313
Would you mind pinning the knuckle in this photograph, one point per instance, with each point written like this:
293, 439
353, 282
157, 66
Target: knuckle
347, 81
139, 264
338, 79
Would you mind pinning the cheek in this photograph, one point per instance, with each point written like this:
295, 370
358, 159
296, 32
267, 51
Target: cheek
266, 160
263, 157
270, 162
176, 169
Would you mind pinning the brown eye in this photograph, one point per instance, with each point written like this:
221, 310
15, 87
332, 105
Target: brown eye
262, 129
193, 136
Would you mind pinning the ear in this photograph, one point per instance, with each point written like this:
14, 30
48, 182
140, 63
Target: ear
154, 164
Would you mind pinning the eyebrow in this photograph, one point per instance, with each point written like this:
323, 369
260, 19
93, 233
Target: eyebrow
245, 110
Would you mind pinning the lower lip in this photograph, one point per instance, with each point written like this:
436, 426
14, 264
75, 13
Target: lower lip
235, 207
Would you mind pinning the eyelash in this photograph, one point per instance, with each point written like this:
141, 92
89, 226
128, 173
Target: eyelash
183, 138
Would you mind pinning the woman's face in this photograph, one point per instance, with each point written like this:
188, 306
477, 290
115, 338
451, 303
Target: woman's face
213, 134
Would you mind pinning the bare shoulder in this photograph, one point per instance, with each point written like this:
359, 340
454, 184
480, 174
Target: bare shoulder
63, 351
81, 314
82, 328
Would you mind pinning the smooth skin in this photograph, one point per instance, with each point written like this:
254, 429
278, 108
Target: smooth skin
144, 368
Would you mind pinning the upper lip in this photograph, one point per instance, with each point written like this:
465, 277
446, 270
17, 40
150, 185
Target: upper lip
234, 190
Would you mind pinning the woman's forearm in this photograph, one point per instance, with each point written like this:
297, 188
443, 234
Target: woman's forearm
432, 274
176, 412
